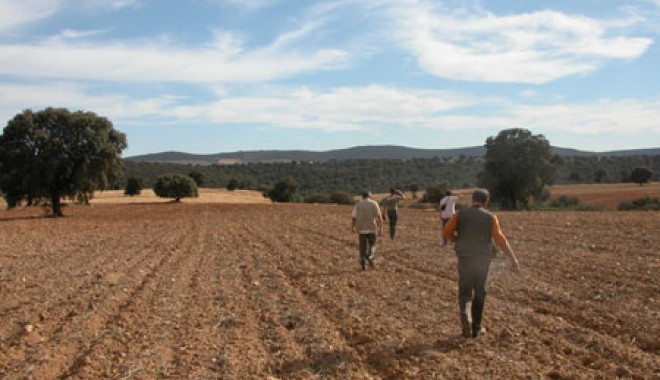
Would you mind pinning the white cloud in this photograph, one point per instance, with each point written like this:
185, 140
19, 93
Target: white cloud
108, 4
533, 48
338, 109
14, 98
370, 108
15, 13
221, 61
251, 4
605, 116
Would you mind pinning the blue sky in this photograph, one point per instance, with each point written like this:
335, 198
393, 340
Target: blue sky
209, 76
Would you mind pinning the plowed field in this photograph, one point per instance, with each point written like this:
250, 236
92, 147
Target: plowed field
212, 291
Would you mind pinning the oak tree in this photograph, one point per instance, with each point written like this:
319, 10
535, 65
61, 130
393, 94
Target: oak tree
57, 153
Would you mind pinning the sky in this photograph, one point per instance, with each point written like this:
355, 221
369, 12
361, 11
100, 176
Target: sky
212, 76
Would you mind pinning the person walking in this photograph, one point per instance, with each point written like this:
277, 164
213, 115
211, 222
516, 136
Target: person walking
447, 207
474, 230
390, 207
367, 221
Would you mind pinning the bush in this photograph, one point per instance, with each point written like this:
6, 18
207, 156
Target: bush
626, 206
646, 203
339, 197
565, 201
175, 186
233, 184
284, 190
133, 186
435, 193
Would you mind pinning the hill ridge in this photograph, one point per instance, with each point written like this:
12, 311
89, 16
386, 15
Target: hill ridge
352, 153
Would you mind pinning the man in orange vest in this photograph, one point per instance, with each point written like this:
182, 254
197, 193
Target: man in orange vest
475, 231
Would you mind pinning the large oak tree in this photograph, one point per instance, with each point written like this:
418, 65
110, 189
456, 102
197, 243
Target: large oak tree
55, 153
518, 166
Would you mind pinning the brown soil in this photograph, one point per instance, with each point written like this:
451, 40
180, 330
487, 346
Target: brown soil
247, 291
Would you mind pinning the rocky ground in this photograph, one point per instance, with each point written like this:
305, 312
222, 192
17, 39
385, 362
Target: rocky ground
201, 291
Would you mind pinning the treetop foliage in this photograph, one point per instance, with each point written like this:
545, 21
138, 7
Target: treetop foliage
641, 175
518, 165
175, 186
56, 153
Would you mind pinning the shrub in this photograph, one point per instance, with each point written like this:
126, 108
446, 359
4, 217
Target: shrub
435, 193
341, 198
133, 186
175, 186
233, 184
646, 203
626, 206
284, 190
565, 201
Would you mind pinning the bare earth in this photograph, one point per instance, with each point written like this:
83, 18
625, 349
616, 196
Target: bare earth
261, 291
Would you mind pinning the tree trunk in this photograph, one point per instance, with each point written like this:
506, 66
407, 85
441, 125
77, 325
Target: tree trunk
57, 205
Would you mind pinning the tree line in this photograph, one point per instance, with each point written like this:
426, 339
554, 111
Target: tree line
57, 153
354, 176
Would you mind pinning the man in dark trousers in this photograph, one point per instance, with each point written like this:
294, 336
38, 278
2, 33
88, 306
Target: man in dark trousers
367, 222
390, 207
474, 230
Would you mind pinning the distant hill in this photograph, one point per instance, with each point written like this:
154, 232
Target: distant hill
358, 152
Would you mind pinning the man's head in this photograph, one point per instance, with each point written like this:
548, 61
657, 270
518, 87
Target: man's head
480, 196
392, 191
366, 194
447, 193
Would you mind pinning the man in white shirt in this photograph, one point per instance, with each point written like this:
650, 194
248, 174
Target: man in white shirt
367, 221
447, 209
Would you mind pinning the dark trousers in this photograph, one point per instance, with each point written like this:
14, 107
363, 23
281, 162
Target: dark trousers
472, 277
393, 216
367, 247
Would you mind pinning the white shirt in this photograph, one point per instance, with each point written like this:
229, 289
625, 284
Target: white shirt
450, 206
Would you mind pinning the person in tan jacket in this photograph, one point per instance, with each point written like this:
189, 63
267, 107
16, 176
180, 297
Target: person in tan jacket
367, 222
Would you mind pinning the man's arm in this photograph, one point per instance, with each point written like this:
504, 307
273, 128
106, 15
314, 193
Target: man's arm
502, 242
353, 220
379, 223
401, 194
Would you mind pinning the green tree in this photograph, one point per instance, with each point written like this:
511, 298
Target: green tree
57, 153
133, 186
518, 165
197, 177
600, 176
233, 184
175, 186
284, 190
341, 198
641, 175
435, 193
